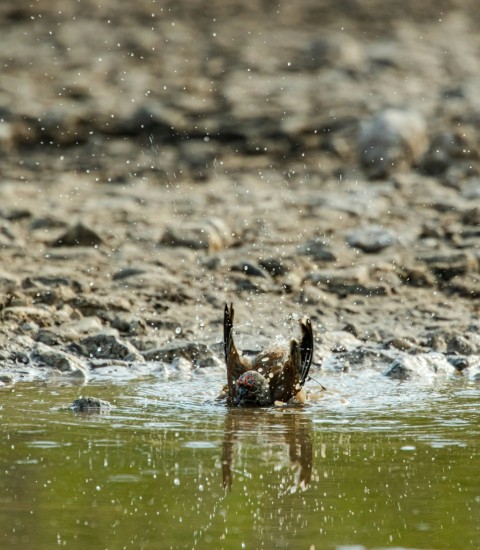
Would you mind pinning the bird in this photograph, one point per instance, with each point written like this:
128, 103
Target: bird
275, 376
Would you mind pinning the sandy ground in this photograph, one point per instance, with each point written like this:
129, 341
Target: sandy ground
160, 158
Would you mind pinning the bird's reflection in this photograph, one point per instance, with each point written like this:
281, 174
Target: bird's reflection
271, 428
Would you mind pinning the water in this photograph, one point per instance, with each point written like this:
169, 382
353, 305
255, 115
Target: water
374, 464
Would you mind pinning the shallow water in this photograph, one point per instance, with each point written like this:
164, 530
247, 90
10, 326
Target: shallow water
372, 464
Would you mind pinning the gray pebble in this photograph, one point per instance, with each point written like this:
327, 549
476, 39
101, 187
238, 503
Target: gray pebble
317, 250
391, 140
373, 238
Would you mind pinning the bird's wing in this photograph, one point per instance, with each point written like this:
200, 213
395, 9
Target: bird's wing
284, 383
306, 350
236, 365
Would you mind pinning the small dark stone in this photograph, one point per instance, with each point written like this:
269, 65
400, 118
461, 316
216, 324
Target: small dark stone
108, 346
21, 357
447, 266
399, 370
78, 235
317, 250
274, 266
459, 362
248, 269
90, 405
471, 216
127, 272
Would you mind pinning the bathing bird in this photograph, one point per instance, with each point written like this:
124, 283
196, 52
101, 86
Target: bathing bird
276, 375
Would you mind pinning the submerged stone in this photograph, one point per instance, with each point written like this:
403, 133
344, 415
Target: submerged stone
91, 405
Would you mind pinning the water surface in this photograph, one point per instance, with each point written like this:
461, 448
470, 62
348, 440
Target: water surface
374, 464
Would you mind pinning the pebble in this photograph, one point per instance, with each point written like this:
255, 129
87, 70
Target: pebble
391, 140
348, 280
211, 235
249, 269
78, 235
372, 238
448, 265
8, 282
65, 363
108, 346
23, 314
90, 405
333, 50
471, 216
445, 149
200, 355
423, 367
467, 344
317, 250
275, 266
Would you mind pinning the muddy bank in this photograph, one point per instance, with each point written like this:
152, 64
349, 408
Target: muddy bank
159, 160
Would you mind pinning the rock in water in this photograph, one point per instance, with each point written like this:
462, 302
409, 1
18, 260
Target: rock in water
91, 405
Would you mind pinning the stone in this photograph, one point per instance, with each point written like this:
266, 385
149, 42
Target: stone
332, 50
466, 344
317, 250
211, 235
250, 269
468, 286
348, 354
402, 344
372, 238
416, 275
348, 280
200, 355
108, 346
8, 282
392, 140
471, 216
6, 378
423, 367
24, 314
59, 360
460, 362
276, 267
90, 405
448, 265
78, 235
127, 272
445, 149
95, 305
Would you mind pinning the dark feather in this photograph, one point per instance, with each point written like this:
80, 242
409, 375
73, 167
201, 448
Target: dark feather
306, 349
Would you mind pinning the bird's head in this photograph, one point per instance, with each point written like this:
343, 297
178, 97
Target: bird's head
252, 390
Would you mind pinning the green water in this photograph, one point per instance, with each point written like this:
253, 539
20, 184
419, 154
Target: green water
394, 467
